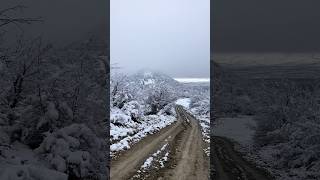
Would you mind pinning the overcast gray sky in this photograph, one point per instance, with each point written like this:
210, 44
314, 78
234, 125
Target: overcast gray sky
265, 25
172, 36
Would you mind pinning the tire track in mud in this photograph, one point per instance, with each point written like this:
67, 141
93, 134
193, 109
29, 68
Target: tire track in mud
191, 163
187, 159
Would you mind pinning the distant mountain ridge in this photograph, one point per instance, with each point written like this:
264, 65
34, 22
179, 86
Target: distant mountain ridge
150, 78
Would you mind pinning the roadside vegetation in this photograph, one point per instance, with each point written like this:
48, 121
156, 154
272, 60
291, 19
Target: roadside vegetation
286, 110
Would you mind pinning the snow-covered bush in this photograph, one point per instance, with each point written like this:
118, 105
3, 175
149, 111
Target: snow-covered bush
169, 109
26, 172
288, 123
158, 98
200, 107
133, 109
287, 113
46, 90
75, 150
147, 105
118, 117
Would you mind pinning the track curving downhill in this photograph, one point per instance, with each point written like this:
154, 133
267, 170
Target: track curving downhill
184, 146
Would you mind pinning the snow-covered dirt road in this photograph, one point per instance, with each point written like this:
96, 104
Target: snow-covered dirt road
175, 153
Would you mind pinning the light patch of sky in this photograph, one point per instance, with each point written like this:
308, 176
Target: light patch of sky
171, 36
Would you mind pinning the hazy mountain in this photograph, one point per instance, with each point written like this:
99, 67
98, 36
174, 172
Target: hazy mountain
147, 78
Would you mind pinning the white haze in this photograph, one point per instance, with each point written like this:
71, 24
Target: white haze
171, 36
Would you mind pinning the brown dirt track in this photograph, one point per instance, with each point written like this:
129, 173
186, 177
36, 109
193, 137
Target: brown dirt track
187, 160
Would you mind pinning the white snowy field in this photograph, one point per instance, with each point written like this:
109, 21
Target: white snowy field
185, 102
192, 80
130, 135
125, 132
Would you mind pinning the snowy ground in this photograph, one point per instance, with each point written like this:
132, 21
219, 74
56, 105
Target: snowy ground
192, 80
128, 133
59, 151
205, 126
125, 132
151, 125
24, 164
155, 162
185, 102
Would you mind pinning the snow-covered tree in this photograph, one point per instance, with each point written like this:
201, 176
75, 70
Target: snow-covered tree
44, 91
158, 97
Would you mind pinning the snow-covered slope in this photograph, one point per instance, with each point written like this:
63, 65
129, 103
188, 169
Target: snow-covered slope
143, 103
147, 78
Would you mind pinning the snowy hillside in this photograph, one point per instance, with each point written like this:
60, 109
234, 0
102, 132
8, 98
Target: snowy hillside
143, 104
147, 77
51, 124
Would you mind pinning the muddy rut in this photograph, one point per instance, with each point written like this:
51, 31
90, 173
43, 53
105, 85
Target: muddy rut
186, 160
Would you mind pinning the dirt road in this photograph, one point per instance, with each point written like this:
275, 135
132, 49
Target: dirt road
230, 165
181, 142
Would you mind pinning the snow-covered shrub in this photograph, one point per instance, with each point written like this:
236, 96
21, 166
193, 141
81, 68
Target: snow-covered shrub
158, 98
75, 150
44, 90
169, 110
133, 109
288, 123
119, 91
201, 107
118, 117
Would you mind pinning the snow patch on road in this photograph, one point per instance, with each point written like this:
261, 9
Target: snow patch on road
149, 161
164, 159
